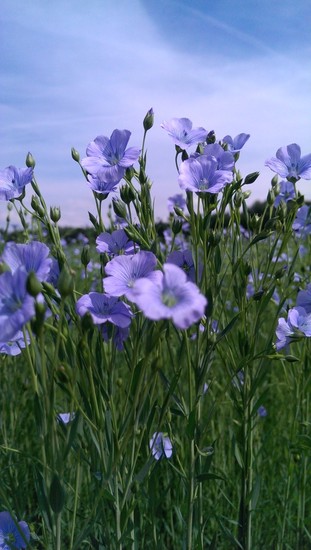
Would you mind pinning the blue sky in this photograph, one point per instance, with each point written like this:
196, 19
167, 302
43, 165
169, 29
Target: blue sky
72, 70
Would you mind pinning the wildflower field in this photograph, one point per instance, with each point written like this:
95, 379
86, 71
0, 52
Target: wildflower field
155, 377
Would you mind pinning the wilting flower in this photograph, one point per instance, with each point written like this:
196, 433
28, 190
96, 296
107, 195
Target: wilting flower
160, 446
114, 243
32, 257
289, 163
182, 133
235, 144
110, 156
298, 325
13, 181
103, 308
123, 271
202, 176
16, 305
287, 192
11, 536
302, 222
172, 296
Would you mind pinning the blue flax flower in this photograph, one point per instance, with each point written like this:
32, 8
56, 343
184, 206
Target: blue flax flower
235, 144
176, 200
182, 133
302, 222
184, 259
114, 243
110, 156
103, 182
32, 257
201, 175
304, 298
11, 536
13, 181
16, 305
103, 308
123, 271
173, 296
160, 446
289, 163
225, 159
287, 192
298, 325
15, 345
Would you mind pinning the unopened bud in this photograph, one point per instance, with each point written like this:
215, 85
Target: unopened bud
126, 194
30, 161
119, 208
176, 226
33, 286
75, 154
148, 120
55, 214
270, 197
85, 255
65, 283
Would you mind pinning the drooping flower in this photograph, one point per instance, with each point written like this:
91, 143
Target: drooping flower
11, 536
182, 133
172, 296
32, 257
202, 176
110, 156
103, 308
235, 144
287, 192
114, 243
16, 305
123, 271
160, 446
289, 163
298, 325
13, 181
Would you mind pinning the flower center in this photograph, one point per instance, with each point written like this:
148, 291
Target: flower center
168, 299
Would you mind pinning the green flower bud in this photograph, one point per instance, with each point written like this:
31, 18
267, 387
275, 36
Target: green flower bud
119, 208
33, 286
65, 283
55, 214
148, 120
176, 226
270, 197
30, 161
274, 180
126, 194
75, 155
85, 255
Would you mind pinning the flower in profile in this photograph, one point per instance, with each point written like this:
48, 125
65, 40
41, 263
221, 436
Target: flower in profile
160, 446
172, 296
289, 163
110, 156
225, 159
202, 175
114, 243
235, 144
15, 345
13, 535
117, 334
182, 133
176, 200
32, 256
13, 181
304, 298
103, 182
103, 308
298, 325
123, 271
287, 192
17, 307
302, 222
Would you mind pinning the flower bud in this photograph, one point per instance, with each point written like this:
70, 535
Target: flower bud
274, 180
119, 208
148, 120
55, 214
75, 154
126, 194
176, 226
65, 283
33, 286
30, 161
270, 197
85, 255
